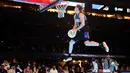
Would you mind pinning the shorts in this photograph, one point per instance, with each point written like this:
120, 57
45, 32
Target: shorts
81, 36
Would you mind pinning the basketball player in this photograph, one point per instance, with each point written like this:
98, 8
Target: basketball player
82, 32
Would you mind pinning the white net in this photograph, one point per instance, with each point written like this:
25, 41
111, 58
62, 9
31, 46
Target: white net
61, 9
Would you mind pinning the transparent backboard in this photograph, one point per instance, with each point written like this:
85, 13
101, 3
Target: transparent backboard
72, 3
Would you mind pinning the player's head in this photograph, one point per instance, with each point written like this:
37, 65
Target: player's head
79, 9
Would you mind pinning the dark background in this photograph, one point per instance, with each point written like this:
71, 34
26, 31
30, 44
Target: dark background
23, 33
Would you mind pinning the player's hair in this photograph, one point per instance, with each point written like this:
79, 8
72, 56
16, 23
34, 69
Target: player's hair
81, 9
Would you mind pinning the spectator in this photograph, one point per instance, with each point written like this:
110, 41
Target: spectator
123, 67
53, 70
28, 70
72, 70
47, 69
14, 63
77, 69
106, 65
66, 70
114, 65
12, 70
60, 69
82, 67
18, 69
87, 67
41, 70
6, 65
2, 70
95, 65
128, 68
34, 69
103, 63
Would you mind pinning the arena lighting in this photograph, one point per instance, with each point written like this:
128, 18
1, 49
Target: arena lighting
128, 10
71, 12
79, 61
52, 10
104, 15
97, 6
118, 9
86, 61
106, 8
93, 14
127, 17
12, 6
74, 61
100, 15
110, 15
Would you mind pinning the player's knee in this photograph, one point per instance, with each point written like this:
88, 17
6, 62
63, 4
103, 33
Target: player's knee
85, 43
72, 42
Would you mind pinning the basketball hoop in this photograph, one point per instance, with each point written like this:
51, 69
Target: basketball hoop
61, 7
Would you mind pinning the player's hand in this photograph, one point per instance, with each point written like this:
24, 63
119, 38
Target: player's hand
74, 30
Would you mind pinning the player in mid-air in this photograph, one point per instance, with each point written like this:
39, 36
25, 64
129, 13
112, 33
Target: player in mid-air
82, 33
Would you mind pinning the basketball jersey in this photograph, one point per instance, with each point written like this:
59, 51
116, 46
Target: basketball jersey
78, 22
27, 71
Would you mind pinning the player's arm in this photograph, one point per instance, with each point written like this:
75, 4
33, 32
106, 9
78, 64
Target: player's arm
75, 26
82, 21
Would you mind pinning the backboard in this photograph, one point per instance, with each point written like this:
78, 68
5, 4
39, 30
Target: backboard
62, 5
72, 3
43, 4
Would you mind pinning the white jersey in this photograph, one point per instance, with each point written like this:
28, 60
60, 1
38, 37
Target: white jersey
53, 71
66, 71
95, 65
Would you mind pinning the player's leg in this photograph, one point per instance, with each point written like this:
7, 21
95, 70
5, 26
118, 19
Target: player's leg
71, 44
87, 42
93, 43
105, 46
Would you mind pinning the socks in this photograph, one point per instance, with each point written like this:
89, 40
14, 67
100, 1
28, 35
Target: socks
69, 55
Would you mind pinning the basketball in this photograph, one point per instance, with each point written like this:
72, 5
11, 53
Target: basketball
71, 34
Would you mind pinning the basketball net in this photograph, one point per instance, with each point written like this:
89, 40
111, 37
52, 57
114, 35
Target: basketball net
61, 9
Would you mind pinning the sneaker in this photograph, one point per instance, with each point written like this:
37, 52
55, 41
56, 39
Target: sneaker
105, 46
68, 59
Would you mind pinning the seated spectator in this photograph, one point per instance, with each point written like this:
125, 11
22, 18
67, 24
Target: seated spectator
2, 70
72, 69
60, 69
18, 69
128, 68
6, 65
53, 69
28, 70
66, 70
95, 65
12, 70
